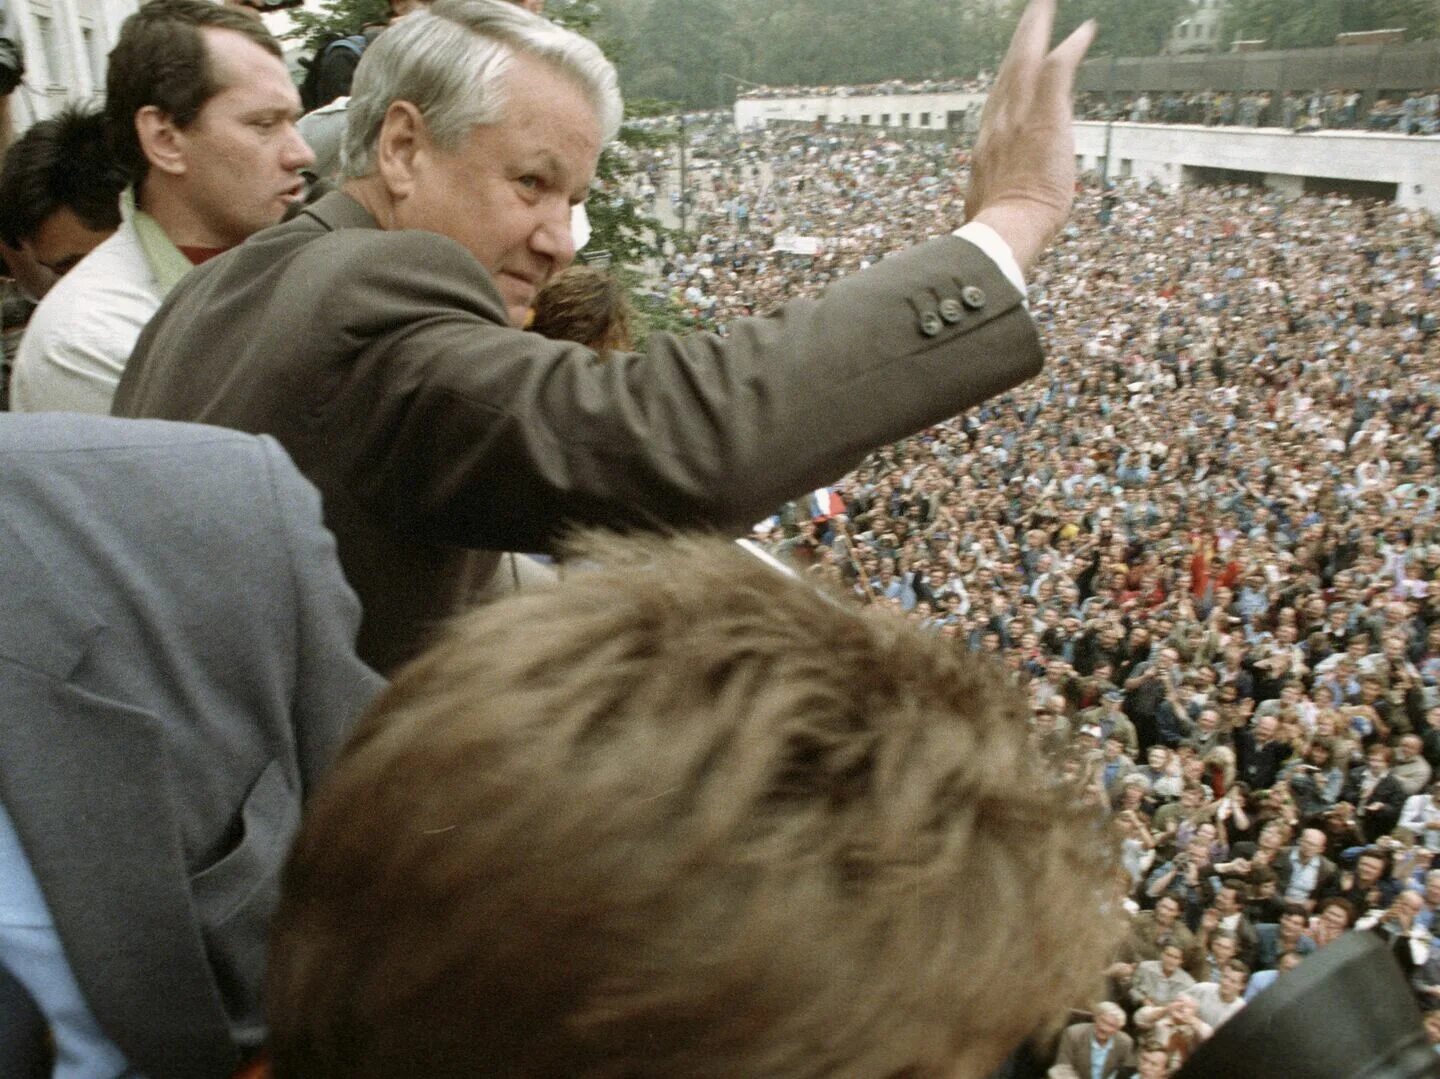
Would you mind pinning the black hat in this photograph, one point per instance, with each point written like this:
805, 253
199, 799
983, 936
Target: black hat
1346, 1011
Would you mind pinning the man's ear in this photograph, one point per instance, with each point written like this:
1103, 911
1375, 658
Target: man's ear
162, 142
402, 149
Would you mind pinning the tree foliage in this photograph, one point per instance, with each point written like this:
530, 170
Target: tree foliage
1126, 27
1292, 24
335, 16
698, 51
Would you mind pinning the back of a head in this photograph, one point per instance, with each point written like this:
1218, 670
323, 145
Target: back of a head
685, 818
60, 162
160, 59
585, 305
450, 60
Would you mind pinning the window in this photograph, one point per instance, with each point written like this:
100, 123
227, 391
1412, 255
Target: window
50, 48
924, 119
864, 117
87, 37
884, 119
904, 119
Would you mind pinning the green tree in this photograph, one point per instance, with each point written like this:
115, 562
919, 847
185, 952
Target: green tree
682, 48
688, 50
1285, 24
618, 225
1126, 27
1292, 24
335, 16
1420, 18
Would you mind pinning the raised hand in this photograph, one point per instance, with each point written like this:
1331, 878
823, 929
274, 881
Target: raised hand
1022, 180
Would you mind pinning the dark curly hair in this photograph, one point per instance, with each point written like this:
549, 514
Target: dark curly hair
60, 162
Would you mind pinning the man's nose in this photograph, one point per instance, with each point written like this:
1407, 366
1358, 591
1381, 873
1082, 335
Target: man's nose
553, 237
297, 154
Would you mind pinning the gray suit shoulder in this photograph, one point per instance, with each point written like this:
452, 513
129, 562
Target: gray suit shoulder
71, 432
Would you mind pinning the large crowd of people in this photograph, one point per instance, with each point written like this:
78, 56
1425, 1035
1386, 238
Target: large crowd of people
1205, 540
1183, 584
1402, 112
977, 85
196, 615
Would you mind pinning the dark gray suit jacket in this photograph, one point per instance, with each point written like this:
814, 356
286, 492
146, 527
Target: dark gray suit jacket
382, 362
176, 671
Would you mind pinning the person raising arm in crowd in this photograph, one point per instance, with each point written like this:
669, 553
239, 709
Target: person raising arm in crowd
377, 334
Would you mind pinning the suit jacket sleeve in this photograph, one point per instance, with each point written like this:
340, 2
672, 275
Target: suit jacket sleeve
1073, 1057
332, 686
1350, 792
1392, 794
471, 429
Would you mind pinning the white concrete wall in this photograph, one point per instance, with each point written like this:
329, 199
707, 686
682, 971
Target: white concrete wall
752, 112
1161, 152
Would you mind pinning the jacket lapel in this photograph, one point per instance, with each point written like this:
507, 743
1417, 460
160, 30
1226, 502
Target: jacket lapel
85, 780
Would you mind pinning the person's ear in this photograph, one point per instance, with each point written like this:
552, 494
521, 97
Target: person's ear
403, 149
161, 140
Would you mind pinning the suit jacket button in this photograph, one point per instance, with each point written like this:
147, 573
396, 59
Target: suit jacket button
973, 296
930, 324
950, 309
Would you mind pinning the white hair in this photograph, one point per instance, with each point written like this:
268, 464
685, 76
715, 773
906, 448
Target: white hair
450, 61
1110, 1008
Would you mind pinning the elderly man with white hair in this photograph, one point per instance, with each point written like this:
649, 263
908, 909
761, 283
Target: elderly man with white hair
1098, 1048
379, 335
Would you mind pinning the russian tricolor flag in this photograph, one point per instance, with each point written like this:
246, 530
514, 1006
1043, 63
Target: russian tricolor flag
825, 503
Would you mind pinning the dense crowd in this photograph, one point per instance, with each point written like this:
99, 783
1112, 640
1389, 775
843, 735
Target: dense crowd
1205, 539
1405, 112
1412, 111
977, 85
1202, 546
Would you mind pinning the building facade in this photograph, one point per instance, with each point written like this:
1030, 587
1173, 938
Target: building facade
65, 42
1201, 30
934, 112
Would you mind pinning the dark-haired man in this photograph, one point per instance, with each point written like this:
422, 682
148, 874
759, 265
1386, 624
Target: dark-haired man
200, 112
60, 189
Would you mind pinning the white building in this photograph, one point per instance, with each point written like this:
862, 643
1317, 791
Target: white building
1376, 164
1379, 164
1202, 30
65, 42
921, 112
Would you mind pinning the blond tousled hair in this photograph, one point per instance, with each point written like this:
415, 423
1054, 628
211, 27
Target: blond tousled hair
684, 817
